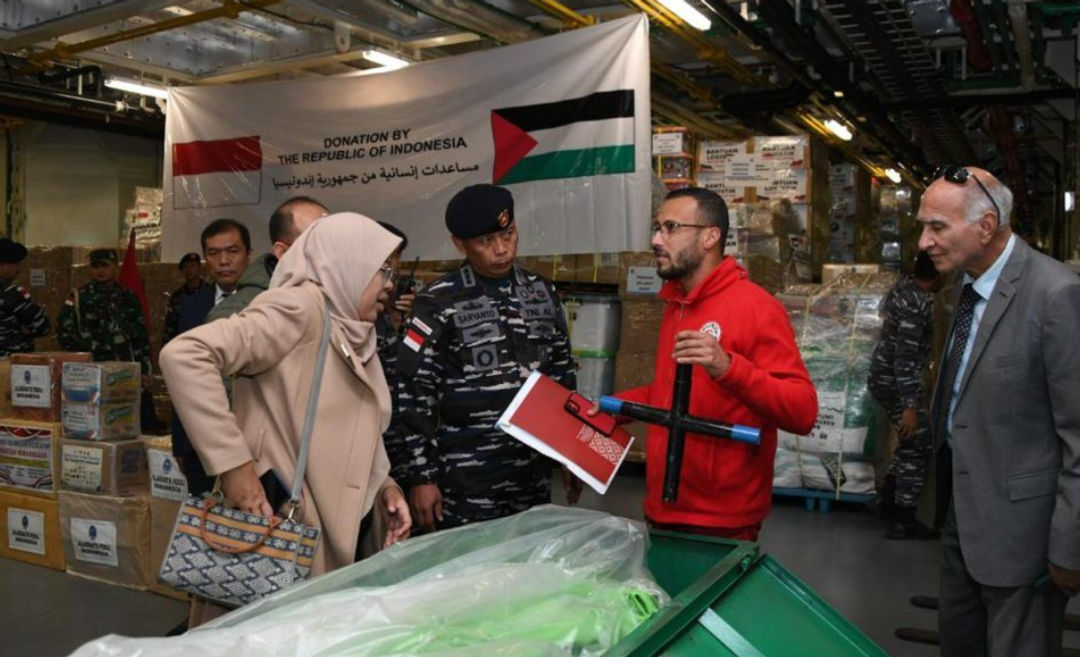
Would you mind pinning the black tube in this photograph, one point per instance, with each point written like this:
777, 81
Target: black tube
52, 94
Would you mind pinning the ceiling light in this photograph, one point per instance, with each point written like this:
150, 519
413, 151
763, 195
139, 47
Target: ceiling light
134, 87
839, 129
893, 175
695, 18
384, 60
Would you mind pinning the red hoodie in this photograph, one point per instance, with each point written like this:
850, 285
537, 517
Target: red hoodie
726, 483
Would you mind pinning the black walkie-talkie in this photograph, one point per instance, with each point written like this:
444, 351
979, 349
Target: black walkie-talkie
404, 285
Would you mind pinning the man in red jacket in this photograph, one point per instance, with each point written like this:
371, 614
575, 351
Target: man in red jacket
749, 372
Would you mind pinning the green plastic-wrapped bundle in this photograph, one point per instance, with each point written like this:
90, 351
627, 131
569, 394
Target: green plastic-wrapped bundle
549, 581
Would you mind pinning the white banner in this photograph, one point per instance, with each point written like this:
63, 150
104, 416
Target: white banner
563, 122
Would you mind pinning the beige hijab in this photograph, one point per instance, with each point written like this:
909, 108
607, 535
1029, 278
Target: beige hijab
340, 253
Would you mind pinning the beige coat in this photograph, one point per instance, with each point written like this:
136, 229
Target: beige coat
271, 348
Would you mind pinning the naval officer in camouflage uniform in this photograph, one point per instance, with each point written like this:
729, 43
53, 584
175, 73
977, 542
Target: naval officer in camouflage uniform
474, 336
21, 320
103, 318
896, 382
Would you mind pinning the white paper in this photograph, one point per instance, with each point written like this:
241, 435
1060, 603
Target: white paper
167, 482
94, 541
37, 278
26, 530
81, 467
31, 386
643, 280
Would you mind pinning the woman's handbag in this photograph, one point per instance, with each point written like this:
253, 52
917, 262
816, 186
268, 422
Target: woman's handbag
233, 557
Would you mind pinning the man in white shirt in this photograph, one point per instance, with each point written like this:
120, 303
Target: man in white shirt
1006, 418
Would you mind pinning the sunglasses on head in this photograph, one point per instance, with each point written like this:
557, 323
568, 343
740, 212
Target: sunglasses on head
959, 176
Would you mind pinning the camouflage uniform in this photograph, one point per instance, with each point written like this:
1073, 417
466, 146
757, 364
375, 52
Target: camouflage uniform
172, 311
109, 323
388, 342
896, 382
21, 320
467, 350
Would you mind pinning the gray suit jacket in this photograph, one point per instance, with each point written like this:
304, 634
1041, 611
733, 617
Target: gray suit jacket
1016, 427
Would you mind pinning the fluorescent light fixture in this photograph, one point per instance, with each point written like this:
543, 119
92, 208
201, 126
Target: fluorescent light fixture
683, 10
134, 87
1070, 201
384, 60
839, 129
893, 175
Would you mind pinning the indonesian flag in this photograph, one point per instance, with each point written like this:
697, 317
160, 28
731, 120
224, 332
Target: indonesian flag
129, 278
207, 174
588, 136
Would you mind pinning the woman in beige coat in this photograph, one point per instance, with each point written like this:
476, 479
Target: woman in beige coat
271, 348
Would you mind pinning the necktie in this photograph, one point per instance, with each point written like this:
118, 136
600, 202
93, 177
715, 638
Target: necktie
965, 312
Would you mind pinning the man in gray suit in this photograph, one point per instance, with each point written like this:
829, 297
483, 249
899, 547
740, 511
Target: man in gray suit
1006, 417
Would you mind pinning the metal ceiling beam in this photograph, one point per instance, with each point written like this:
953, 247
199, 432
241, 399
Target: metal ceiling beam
63, 51
75, 16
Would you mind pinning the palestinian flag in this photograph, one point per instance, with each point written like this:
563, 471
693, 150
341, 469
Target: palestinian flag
588, 136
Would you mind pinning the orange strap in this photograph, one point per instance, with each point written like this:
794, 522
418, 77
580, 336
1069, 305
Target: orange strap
207, 504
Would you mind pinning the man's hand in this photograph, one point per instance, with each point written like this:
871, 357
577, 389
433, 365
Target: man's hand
699, 348
401, 310
1066, 580
244, 491
572, 485
909, 423
426, 500
398, 518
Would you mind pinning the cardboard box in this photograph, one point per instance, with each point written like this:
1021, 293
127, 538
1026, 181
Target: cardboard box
713, 154
35, 384
640, 324
117, 469
831, 271
100, 383
46, 274
107, 538
30, 530
114, 421
30, 457
5, 387
783, 152
162, 521
634, 369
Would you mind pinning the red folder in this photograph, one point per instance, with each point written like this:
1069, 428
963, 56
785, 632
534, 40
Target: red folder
552, 420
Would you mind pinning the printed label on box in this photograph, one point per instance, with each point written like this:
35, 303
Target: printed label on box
643, 280
94, 541
37, 278
747, 171
26, 530
668, 143
713, 154
166, 480
81, 467
26, 459
31, 386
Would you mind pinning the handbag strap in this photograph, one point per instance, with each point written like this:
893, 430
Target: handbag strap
207, 505
309, 419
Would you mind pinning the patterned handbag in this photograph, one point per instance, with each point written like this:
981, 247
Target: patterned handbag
233, 557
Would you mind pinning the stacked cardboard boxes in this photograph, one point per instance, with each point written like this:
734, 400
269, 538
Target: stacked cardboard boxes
104, 513
168, 489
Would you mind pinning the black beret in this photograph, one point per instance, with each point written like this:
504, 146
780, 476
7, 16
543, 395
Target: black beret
11, 251
190, 257
479, 210
102, 255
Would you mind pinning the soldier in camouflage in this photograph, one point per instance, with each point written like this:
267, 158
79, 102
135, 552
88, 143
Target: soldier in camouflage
191, 267
21, 320
103, 318
474, 336
896, 382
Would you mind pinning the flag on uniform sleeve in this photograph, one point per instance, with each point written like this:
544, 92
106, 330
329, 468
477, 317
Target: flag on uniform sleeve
129, 278
207, 174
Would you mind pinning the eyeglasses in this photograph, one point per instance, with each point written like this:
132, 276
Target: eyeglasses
388, 274
669, 227
959, 176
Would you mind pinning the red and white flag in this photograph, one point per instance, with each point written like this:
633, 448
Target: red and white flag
208, 174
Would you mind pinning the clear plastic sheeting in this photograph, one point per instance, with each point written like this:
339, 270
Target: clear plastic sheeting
549, 581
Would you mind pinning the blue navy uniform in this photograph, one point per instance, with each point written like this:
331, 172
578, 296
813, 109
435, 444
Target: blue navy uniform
469, 346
